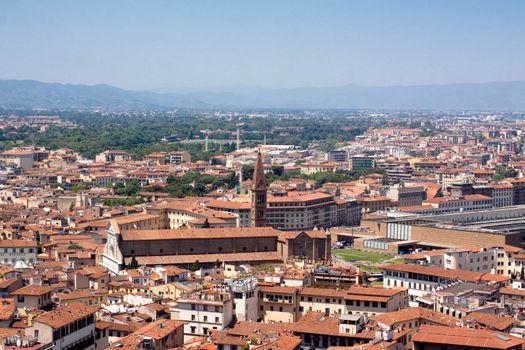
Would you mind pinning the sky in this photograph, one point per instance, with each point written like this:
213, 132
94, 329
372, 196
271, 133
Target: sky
199, 44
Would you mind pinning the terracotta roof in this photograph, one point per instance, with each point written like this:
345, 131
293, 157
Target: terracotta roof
499, 323
33, 290
5, 283
414, 313
301, 198
294, 234
322, 292
156, 330
278, 289
7, 308
512, 291
133, 218
201, 233
17, 243
318, 323
65, 314
159, 329
424, 254
229, 204
76, 294
469, 338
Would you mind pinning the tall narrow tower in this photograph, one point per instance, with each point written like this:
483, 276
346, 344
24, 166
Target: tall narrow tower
238, 138
259, 193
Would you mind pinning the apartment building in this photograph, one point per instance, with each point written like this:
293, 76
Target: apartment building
180, 213
33, 296
421, 280
501, 193
203, 312
68, 327
411, 319
500, 260
18, 253
375, 300
362, 162
277, 303
112, 156
313, 168
175, 157
518, 191
21, 158
337, 156
372, 204
404, 196
306, 211
240, 209
459, 204
244, 293
296, 211
289, 304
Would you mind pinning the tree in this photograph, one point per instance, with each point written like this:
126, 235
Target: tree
130, 188
504, 172
74, 246
277, 170
196, 266
78, 188
247, 172
133, 264
206, 223
522, 274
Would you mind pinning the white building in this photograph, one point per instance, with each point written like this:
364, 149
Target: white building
244, 293
18, 253
203, 311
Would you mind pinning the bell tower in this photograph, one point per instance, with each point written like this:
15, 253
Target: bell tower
259, 194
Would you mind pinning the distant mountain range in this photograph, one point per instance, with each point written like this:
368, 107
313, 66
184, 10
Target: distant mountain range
468, 96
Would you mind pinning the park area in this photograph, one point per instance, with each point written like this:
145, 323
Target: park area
366, 260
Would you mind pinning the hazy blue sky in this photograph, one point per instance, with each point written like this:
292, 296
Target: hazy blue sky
282, 43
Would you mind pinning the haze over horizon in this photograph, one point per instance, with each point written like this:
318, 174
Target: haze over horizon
201, 45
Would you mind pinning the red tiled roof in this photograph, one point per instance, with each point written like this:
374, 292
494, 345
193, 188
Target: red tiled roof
468, 338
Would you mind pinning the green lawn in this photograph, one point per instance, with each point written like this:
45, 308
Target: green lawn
374, 258
370, 262
369, 268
